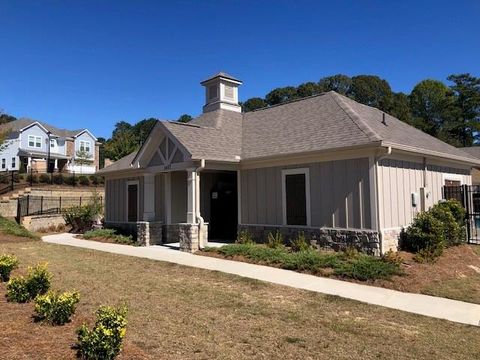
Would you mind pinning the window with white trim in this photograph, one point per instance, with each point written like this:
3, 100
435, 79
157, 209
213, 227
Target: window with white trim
296, 196
52, 143
34, 141
14, 162
85, 146
4, 163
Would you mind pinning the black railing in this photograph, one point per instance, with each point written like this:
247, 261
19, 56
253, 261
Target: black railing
43, 205
8, 181
469, 197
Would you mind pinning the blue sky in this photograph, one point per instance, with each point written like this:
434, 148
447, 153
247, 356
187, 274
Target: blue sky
78, 64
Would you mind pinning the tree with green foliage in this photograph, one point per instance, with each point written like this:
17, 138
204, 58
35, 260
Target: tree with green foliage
400, 107
82, 158
339, 83
280, 95
466, 126
432, 105
185, 118
372, 91
253, 104
308, 89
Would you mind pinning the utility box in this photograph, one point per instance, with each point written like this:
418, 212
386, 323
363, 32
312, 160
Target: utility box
415, 199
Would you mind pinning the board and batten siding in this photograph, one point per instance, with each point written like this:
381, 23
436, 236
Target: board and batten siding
398, 179
160, 197
116, 198
339, 194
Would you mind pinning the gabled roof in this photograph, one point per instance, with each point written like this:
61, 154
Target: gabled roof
328, 121
22, 123
472, 150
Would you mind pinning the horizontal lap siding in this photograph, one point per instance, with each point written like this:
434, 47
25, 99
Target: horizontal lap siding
339, 192
398, 179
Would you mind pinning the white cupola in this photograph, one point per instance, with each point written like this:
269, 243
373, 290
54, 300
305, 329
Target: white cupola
221, 92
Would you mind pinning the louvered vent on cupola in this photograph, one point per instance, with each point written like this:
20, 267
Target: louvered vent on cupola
221, 92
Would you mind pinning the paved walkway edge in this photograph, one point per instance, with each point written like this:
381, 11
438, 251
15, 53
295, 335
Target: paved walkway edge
436, 307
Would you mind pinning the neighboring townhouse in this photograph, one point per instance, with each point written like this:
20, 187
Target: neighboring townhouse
34, 145
342, 173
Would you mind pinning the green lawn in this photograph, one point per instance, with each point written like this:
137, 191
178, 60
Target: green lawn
178, 312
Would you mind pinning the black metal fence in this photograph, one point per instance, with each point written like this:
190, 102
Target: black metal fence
469, 197
42, 205
8, 181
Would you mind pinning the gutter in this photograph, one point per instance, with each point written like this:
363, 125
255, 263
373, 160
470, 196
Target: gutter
198, 216
388, 152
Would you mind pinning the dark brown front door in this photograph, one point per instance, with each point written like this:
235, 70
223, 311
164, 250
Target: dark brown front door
132, 195
296, 199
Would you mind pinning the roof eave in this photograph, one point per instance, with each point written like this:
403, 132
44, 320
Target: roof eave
436, 154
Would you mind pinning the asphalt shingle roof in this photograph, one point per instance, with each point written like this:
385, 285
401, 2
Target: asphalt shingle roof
323, 122
19, 124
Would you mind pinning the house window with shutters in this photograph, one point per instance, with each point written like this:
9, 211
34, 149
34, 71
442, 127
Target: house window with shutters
296, 197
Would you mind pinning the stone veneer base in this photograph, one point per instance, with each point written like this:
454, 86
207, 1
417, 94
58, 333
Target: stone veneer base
337, 239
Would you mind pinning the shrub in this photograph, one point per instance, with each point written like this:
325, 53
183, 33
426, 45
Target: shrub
392, 257
17, 290
274, 240
7, 264
70, 180
299, 243
38, 280
81, 218
109, 234
452, 215
55, 308
367, 267
58, 179
84, 180
244, 237
44, 178
96, 180
104, 341
426, 232
32, 178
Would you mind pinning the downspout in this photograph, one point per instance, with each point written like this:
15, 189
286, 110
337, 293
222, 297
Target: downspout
198, 216
376, 161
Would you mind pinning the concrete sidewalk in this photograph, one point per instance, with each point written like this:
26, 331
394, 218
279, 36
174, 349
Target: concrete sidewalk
436, 307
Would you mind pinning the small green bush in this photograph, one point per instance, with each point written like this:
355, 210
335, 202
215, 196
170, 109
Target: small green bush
44, 178
392, 257
426, 232
70, 180
104, 341
300, 243
453, 228
32, 178
56, 309
58, 179
17, 290
275, 240
367, 267
38, 280
84, 180
109, 234
23, 289
244, 237
7, 264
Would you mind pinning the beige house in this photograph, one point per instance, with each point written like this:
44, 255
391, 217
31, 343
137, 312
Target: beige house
343, 173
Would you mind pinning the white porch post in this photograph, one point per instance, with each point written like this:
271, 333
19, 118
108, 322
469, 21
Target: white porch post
29, 163
55, 167
191, 187
149, 197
